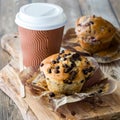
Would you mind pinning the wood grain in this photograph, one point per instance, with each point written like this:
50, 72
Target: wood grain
100, 8
116, 9
73, 9
8, 11
10, 109
33, 108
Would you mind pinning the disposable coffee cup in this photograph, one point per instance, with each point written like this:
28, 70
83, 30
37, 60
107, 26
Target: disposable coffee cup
40, 27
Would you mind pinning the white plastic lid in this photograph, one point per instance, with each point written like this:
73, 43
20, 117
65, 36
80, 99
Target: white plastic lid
40, 16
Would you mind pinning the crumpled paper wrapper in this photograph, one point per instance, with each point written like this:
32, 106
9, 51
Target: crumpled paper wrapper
70, 41
105, 88
98, 85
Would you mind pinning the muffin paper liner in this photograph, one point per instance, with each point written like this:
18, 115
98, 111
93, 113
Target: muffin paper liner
107, 87
111, 54
100, 85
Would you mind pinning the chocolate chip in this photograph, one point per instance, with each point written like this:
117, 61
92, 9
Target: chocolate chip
53, 61
62, 115
41, 64
82, 81
65, 55
56, 71
64, 59
72, 75
75, 56
66, 70
90, 69
69, 53
49, 71
65, 66
57, 67
58, 58
100, 91
91, 22
85, 71
73, 64
93, 39
73, 113
69, 68
67, 81
15, 36
71, 59
51, 94
87, 62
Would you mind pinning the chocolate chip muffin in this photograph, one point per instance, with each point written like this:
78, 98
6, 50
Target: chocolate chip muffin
66, 72
94, 33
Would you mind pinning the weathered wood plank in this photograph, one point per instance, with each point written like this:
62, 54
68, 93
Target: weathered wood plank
8, 10
71, 8
4, 58
8, 109
115, 6
83, 110
99, 8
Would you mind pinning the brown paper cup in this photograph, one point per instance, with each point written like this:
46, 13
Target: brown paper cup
36, 45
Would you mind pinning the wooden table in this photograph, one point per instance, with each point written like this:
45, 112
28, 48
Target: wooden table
109, 9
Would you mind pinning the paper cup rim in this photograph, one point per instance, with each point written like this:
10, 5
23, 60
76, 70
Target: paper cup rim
52, 18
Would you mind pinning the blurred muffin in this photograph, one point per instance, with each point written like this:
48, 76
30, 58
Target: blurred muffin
94, 33
66, 72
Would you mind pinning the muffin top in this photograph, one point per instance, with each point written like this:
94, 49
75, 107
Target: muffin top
93, 28
67, 67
